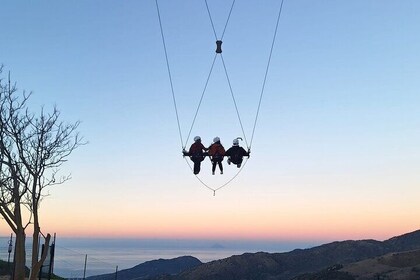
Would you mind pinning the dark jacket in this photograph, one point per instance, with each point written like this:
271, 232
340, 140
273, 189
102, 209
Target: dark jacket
196, 151
236, 154
216, 150
196, 148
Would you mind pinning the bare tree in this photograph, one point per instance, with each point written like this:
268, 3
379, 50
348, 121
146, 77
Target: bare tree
32, 149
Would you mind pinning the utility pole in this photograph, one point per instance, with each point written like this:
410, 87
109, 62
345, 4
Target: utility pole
84, 270
9, 249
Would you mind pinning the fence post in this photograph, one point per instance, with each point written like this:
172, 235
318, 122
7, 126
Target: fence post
84, 271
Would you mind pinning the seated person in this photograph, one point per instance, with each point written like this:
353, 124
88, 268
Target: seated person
216, 153
196, 154
236, 153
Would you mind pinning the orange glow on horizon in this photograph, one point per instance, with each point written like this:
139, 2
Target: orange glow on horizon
289, 234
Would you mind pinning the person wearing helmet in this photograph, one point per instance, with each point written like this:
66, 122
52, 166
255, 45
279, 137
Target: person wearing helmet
236, 153
197, 153
216, 153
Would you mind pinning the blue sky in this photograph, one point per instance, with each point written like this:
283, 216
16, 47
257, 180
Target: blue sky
337, 141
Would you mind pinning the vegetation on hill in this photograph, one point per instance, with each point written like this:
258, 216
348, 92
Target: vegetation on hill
153, 268
282, 266
332, 273
402, 265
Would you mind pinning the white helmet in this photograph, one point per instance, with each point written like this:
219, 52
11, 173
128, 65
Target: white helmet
197, 138
236, 142
216, 139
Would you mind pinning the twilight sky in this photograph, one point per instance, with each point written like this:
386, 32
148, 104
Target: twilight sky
336, 152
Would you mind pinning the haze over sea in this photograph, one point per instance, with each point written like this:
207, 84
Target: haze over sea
104, 255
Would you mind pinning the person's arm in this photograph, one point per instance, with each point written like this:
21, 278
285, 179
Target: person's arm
222, 150
206, 149
245, 153
209, 149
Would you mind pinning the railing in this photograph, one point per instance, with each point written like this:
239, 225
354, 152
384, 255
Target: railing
68, 263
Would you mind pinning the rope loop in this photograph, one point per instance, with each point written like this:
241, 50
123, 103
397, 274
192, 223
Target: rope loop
214, 190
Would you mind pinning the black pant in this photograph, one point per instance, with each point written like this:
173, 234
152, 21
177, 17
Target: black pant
236, 160
218, 162
197, 164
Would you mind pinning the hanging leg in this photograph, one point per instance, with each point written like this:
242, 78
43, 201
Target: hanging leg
197, 167
239, 162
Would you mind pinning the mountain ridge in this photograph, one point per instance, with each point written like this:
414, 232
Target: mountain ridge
302, 264
152, 268
285, 266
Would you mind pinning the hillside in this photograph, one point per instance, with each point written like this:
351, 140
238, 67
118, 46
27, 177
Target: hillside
153, 268
404, 265
334, 273
282, 266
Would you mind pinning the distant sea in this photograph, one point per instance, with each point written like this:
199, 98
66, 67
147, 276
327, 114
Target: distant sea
109, 255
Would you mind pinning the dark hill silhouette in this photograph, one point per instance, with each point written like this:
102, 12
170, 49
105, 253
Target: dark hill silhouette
153, 268
403, 265
336, 260
334, 273
405, 242
282, 266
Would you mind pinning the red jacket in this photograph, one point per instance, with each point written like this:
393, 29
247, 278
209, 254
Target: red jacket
216, 149
196, 148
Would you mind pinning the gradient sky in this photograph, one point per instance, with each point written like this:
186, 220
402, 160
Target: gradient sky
336, 152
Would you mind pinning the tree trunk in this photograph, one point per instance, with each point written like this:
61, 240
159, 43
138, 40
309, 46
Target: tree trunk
36, 266
35, 253
20, 255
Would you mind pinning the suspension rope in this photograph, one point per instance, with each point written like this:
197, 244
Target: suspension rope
211, 19
229, 83
234, 100
198, 178
236, 175
169, 73
224, 65
201, 99
184, 144
230, 12
266, 73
